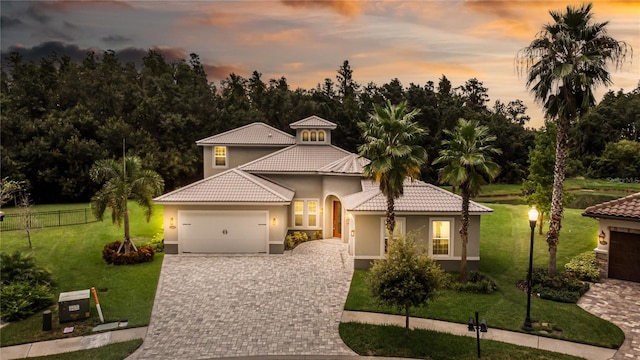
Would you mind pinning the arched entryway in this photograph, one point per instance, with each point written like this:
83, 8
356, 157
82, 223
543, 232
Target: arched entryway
334, 218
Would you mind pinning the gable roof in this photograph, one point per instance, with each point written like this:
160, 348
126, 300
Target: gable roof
256, 133
296, 159
418, 197
350, 164
231, 186
627, 207
313, 122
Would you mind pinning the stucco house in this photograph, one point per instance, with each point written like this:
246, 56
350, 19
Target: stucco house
618, 250
261, 183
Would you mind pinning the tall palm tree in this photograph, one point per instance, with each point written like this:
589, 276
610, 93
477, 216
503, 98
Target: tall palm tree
467, 160
391, 139
565, 63
123, 180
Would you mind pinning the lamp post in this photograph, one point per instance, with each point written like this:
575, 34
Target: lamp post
533, 217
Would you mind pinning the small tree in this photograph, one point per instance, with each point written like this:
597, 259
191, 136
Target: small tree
27, 220
406, 277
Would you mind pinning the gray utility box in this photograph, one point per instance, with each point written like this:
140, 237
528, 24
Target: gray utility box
74, 306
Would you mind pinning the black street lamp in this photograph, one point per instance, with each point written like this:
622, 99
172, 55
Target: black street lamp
533, 217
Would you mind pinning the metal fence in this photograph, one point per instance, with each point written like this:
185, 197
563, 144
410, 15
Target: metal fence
40, 219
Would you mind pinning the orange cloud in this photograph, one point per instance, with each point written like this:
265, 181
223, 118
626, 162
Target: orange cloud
505, 27
285, 36
342, 7
220, 72
213, 18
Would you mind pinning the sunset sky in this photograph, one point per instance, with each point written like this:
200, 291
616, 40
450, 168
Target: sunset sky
306, 41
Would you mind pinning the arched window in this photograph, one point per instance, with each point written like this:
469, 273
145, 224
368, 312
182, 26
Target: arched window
321, 135
305, 136
313, 136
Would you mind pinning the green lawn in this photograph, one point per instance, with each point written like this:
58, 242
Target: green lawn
115, 351
74, 255
372, 340
504, 252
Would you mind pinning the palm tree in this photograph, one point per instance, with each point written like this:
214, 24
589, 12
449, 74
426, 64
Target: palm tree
565, 63
467, 160
391, 139
123, 180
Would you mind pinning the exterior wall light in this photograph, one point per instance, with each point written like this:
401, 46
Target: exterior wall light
274, 221
601, 238
172, 224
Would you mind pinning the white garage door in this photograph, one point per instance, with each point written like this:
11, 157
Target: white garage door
223, 231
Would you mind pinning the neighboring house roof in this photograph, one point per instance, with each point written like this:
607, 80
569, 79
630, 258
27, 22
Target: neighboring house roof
350, 164
627, 207
296, 159
252, 134
313, 122
231, 186
418, 197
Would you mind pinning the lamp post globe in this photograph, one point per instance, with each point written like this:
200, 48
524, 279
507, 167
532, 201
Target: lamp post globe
533, 217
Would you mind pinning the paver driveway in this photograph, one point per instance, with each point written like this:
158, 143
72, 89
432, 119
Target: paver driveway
223, 306
619, 302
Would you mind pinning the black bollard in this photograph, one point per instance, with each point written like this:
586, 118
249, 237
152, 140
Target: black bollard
46, 320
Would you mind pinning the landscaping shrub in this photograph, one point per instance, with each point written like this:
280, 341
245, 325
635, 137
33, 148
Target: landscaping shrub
478, 282
157, 242
295, 239
111, 255
317, 235
561, 287
25, 287
17, 267
584, 267
23, 299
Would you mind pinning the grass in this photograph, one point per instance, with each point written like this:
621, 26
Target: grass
504, 251
74, 255
115, 351
373, 340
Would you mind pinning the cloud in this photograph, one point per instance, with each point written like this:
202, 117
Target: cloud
115, 39
220, 72
36, 13
503, 28
64, 6
341, 7
285, 37
75, 53
10, 22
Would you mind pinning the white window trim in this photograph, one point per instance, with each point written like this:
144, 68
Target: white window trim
226, 157
403, 232
305, 214
452, 236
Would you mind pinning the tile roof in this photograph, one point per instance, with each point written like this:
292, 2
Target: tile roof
296, 159
350, 164
418, 197
252, 134
231, 186
313, 122
627, 207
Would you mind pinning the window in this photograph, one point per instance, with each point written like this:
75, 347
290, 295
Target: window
305, 136
298, 213
398, 231
314, 136
320, 135
220, 156
305, 213
441, 237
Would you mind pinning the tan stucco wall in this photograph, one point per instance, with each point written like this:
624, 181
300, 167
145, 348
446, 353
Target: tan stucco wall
236, 156
341, 185
368, 237
277, 232
305, 186
608, 225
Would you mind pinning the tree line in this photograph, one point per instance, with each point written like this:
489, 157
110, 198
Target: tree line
60, 117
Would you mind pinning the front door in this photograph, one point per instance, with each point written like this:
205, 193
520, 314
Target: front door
337, 219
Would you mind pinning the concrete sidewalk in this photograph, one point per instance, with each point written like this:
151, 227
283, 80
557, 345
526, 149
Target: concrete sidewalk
58, 346
588, 352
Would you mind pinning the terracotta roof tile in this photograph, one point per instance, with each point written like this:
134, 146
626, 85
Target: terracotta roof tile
231, 186
418, 197
627, 207
253, 134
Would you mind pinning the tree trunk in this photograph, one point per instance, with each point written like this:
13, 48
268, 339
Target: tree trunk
391, 216
464, 236
555, 217
406, 325
541, 220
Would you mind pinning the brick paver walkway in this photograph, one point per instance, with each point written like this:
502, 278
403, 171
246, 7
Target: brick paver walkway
619, 302
226, 306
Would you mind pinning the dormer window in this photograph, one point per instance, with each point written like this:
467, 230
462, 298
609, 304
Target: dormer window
313, 136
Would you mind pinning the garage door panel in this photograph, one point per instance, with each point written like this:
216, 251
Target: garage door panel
624, 256
223, 232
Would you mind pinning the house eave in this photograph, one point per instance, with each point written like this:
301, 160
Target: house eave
613, 217
226, 203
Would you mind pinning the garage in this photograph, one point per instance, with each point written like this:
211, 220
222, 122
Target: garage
624, 256
201, 231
